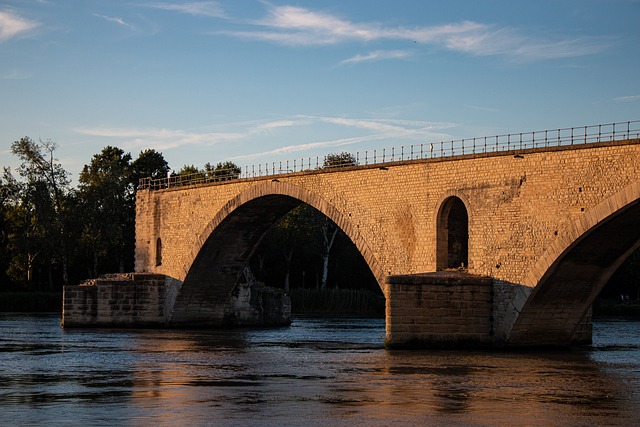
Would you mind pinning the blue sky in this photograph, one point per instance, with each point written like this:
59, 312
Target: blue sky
259, 81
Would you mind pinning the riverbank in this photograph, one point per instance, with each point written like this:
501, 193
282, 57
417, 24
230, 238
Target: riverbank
31, 302
607, 308
337, 302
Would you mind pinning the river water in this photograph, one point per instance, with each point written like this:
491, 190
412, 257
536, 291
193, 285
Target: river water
319, 372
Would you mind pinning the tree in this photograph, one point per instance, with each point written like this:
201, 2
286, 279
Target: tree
223, 171
38, 207
294, 236
107, 197
149, 164
329, 232
189, 174
339, 160
305, 236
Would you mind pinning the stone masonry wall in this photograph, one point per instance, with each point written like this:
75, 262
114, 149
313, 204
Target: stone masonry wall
131, 300
516, 207
518, 204
446, 309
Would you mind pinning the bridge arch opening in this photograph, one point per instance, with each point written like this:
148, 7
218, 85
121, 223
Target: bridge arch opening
452, 244
574, 274
231, 242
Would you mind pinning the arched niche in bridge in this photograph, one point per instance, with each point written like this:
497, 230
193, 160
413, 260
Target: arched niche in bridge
158, 252
452, 244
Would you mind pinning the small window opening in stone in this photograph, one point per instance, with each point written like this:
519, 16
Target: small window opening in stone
158, 252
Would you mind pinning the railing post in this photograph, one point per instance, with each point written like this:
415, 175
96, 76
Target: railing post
599, 132
585, 134
613, 132
571, 136
628, 136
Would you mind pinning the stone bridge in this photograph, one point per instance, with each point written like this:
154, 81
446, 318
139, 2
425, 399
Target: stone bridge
493, 246
524, 239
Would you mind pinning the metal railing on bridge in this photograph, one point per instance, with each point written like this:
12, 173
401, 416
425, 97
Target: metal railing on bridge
487, 144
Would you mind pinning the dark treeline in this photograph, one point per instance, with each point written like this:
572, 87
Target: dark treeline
53, 234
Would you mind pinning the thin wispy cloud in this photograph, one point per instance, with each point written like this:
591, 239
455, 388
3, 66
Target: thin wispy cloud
298, 26
209, 9
630, 98
378, 55
116, 20
162, 139
13, 25
367, 130
290, 149
394, 130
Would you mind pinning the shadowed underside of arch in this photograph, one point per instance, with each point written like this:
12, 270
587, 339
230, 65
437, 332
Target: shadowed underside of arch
229, 241
575, 270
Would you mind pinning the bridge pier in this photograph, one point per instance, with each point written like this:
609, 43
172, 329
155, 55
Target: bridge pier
144, 300
439, 310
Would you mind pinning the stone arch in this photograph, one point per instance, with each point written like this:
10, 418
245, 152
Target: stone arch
452, 232
571, 273
221, 251
275, 188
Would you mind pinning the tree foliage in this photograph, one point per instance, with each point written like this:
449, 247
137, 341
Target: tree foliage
149, 164
337, 160
35, 211
52, 234
108, 206
223, 171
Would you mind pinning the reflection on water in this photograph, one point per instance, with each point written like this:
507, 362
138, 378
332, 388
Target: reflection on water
316, 372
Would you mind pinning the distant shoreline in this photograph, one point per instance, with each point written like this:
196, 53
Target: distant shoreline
30, 302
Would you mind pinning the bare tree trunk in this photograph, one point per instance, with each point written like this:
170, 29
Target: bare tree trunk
287, 257
328, 242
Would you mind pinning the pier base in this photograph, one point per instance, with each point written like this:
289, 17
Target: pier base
144, 300
439, 310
